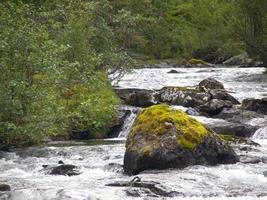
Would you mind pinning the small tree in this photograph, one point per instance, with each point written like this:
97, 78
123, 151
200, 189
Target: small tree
251, 27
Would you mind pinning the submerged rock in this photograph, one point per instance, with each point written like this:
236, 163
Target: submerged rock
173, 71
4, 187
65, 169
162, 137
136, 182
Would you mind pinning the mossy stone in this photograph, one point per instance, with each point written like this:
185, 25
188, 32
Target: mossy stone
163, 137
162, 119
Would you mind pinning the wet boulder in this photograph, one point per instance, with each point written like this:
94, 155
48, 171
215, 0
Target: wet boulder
4, 188
184, 96
214, 107
256, 105
237, 115
136, 97
153, 188
210, 83
235, 129
65, 169
223, 95
162, 137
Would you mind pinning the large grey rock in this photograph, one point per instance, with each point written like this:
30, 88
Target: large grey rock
184, 96
137, 97
162, 137
238, 115
235, 129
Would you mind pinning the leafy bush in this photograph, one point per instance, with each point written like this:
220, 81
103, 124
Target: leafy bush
54, 71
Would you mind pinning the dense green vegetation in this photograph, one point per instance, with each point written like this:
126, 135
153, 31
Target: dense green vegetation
175, 29
55, 56
54, 61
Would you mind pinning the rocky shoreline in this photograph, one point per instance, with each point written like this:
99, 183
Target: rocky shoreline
241, 61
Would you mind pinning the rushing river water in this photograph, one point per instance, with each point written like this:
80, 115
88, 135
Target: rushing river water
100, 164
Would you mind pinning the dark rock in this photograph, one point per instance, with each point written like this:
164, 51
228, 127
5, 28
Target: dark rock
114, 167
66, 170
235, 129
173, 71
214, 107
80, 135
223, 95
237, 115
211, 55
162, 138
137, 97
154, 187
62, 153
257, 105
4, 188
210, 83
60, 162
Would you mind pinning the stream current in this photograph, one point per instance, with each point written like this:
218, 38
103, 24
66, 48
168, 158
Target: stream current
100, 164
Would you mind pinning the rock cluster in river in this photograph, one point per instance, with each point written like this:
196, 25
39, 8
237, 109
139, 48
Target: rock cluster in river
209, 98
162, 137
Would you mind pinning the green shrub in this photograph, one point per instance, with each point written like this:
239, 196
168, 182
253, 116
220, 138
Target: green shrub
53, 72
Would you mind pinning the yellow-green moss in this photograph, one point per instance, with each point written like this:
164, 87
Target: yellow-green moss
162, 119
194, 61
227, 138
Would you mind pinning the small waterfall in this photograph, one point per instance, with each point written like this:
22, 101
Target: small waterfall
128, 122
260, 133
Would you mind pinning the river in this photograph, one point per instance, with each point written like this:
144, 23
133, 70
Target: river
100, 163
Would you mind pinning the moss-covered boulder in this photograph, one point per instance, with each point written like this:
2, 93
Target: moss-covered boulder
162, 137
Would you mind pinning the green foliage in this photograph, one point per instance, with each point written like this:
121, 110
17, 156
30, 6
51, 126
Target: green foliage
54, 70
250, 26
164, 29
